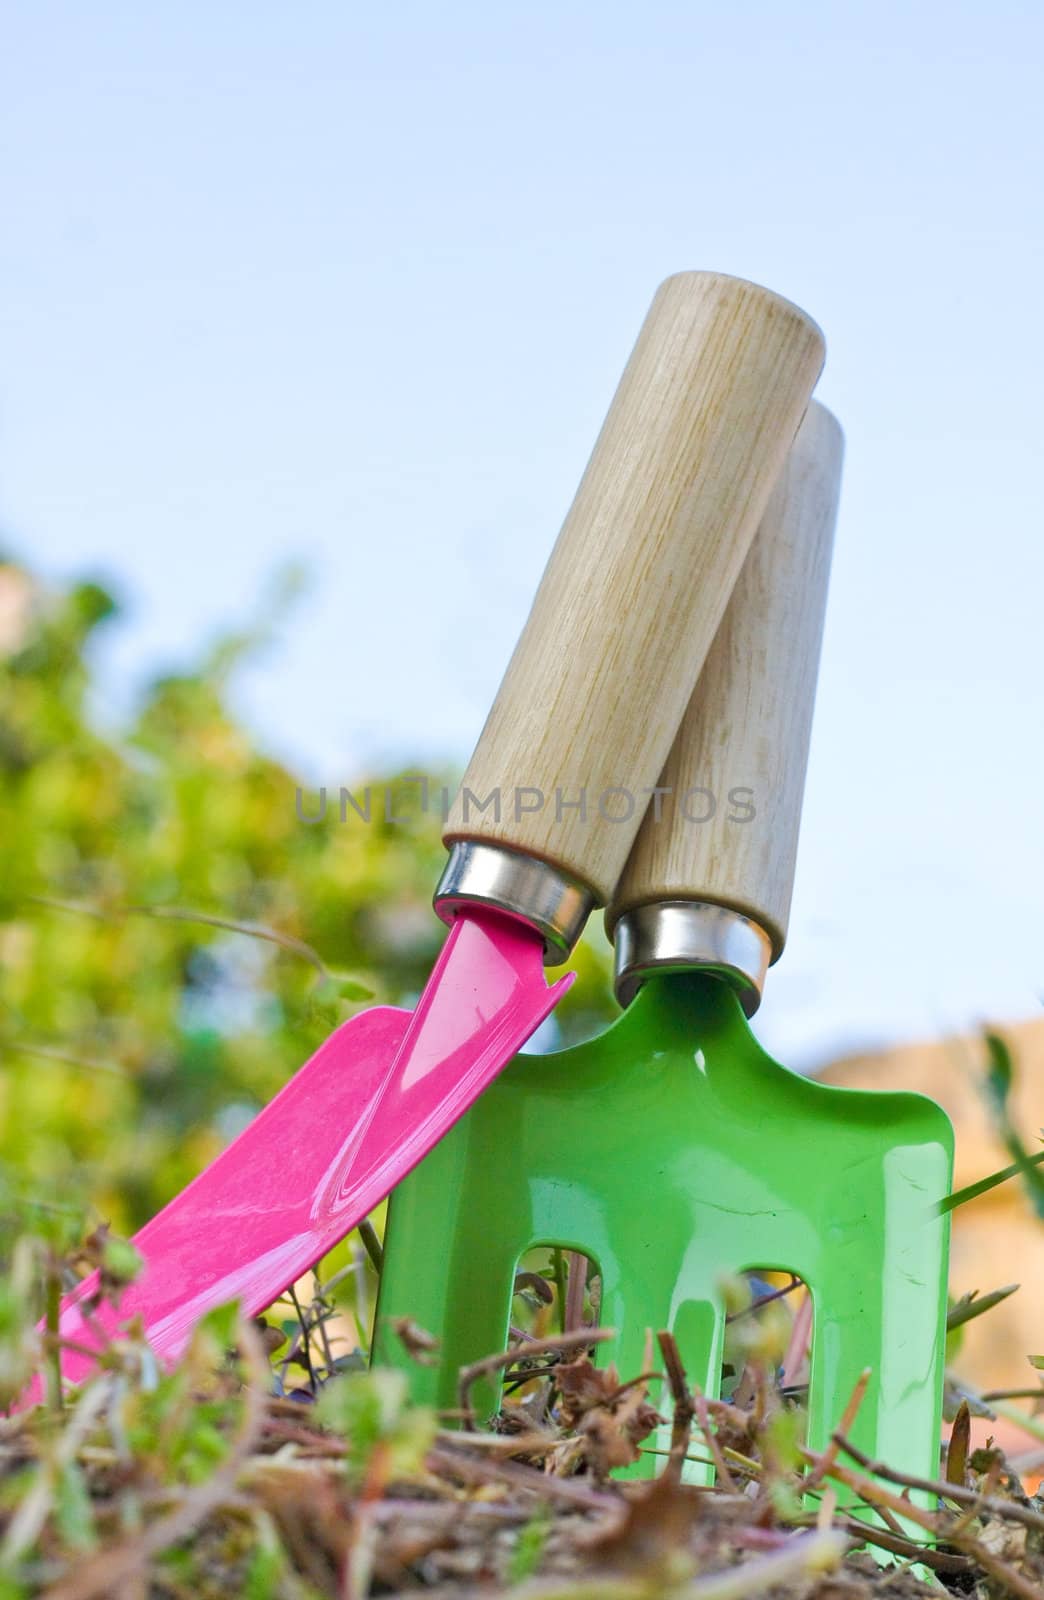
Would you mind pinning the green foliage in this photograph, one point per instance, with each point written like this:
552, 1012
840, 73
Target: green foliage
966, 1309
783, 1437
120, 1260
972, 1191
754, 1332
18, 1347
529, 1548
267, 1567
202, 1481
73, 1515
383, 1432
1000, 1078
174, 941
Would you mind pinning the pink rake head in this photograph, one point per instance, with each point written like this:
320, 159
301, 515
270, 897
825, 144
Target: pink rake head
362, 1112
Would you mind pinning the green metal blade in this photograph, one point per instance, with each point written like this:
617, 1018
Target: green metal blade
674, 1152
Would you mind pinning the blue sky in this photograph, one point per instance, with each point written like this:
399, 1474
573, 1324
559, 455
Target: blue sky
354, 285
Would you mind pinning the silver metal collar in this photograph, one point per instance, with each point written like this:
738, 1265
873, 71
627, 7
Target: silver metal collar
491, 875
691, 936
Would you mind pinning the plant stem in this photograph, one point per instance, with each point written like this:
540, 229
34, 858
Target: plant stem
558, 1261
53, 1316
371, 1244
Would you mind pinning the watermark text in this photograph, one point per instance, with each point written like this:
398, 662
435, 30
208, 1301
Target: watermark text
416, 795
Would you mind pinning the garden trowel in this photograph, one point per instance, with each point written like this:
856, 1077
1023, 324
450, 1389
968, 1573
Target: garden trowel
550, 805
671, 1151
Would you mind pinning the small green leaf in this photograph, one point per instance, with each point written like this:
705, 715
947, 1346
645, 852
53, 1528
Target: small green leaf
782, 1439
954, 1396
972, 1191
973, 1305
735, 1292
363, 1408
371, 1409
959, 1445
354, 1361
263, 1575
1000, 1070
1000, 1075
351, 989
529, 1548
221, 1325
72, 1508
786, 1502
335, 986
92, 604
120, 1259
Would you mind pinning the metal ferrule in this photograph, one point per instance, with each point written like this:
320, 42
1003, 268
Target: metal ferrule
691, 936
491, 875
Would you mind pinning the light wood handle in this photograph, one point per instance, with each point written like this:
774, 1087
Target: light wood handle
728, 828
638, 580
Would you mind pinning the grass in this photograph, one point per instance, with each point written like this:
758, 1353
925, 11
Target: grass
274, 1464
271, 1464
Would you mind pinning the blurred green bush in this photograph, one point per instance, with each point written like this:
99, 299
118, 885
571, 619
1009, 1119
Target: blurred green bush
138, 1036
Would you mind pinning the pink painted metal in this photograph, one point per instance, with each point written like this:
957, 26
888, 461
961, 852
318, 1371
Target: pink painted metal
354, 1120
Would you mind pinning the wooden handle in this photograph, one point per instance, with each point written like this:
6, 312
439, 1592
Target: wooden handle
638, 580
728, 828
